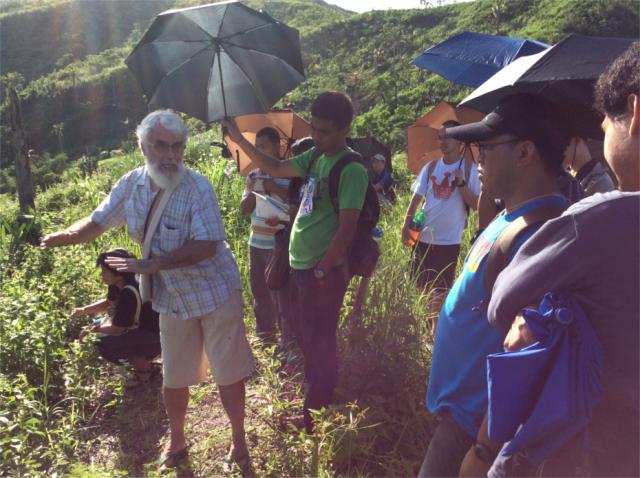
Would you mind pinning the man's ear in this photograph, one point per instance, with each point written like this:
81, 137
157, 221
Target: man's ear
526, 152
633, 104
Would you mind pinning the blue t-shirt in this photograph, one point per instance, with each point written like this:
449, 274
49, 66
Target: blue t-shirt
464, 337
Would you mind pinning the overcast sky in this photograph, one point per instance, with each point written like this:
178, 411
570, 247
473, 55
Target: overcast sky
366, 5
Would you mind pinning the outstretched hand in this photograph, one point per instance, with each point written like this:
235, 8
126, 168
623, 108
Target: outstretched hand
139, 266
55, 239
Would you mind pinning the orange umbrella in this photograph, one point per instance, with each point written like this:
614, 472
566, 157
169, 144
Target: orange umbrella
422, 136
286, 122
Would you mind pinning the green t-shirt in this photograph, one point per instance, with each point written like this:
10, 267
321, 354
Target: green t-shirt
315, 226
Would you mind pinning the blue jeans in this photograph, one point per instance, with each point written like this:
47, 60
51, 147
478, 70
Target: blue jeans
317, 307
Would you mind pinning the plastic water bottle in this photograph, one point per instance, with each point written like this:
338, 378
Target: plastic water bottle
416, 227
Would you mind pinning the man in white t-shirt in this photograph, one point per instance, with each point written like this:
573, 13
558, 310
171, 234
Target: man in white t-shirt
448, 195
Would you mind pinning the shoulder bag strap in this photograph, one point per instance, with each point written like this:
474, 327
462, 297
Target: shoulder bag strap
500, 252
136, 317
151, 224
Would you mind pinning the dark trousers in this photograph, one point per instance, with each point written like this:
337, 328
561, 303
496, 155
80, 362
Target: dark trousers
317, 308
271, 307
434, 265
264, 304
133, 343
447, 448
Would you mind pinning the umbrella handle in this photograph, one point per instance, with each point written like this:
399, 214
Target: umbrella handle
464, 150
238, 159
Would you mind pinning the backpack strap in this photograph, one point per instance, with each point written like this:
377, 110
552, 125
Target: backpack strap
314, 156
136, 293
501, 250
336, 172
431, 168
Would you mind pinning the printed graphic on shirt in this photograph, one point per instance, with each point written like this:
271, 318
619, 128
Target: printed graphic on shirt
307, 190
445, 188
480, 249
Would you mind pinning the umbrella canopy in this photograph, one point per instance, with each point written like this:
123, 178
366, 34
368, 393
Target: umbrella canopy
289, 125
543, 395
422, 136
217, 60
472, 58
565, 74
369, 146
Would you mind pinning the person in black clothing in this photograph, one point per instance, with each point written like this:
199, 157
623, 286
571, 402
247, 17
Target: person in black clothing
130, 330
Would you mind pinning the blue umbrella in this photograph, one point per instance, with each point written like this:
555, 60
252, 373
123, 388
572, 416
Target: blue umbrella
543, 395
472, 58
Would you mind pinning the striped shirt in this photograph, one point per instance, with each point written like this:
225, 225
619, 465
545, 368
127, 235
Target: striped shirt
262, 235
192, 213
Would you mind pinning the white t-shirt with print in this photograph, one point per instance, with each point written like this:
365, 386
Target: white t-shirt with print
444, 206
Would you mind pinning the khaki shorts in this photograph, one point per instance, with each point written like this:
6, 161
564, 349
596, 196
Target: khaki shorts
217, 339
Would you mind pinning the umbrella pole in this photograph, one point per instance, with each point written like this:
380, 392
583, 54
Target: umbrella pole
224, 100
238, 159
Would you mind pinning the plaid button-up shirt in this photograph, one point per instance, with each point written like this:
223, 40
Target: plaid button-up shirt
191, 213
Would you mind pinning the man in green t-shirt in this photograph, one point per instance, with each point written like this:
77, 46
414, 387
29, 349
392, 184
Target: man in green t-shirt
319, 238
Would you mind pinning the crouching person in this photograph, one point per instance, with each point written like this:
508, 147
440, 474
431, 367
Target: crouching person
129, 329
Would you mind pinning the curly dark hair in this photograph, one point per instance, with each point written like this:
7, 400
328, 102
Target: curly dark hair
621, 79
333, 106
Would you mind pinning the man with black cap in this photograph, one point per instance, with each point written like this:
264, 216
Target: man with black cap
593, 252
521, 144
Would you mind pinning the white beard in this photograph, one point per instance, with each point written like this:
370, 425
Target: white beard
164, 178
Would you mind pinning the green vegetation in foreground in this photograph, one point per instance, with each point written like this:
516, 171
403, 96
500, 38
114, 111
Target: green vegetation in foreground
64, 411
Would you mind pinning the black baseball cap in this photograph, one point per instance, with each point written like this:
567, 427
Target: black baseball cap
528, 117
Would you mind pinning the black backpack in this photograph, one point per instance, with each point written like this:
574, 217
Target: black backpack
363, 252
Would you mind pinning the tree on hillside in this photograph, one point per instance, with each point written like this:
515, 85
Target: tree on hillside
12, 83
58, 130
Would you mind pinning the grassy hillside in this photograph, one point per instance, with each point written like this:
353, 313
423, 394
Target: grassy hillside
71, 57
368, 56
94, 100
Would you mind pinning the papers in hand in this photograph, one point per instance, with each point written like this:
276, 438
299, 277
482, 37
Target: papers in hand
267, 206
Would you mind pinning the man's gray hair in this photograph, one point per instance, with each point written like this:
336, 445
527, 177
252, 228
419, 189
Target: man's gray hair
167, 118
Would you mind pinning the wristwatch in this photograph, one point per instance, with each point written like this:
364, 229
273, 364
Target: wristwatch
319, 273
484, 453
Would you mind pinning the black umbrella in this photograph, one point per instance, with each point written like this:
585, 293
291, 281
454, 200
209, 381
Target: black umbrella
564, 73
369, 146
217, 60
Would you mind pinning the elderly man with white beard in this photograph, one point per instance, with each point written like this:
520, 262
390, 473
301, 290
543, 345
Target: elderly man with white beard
191, 273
